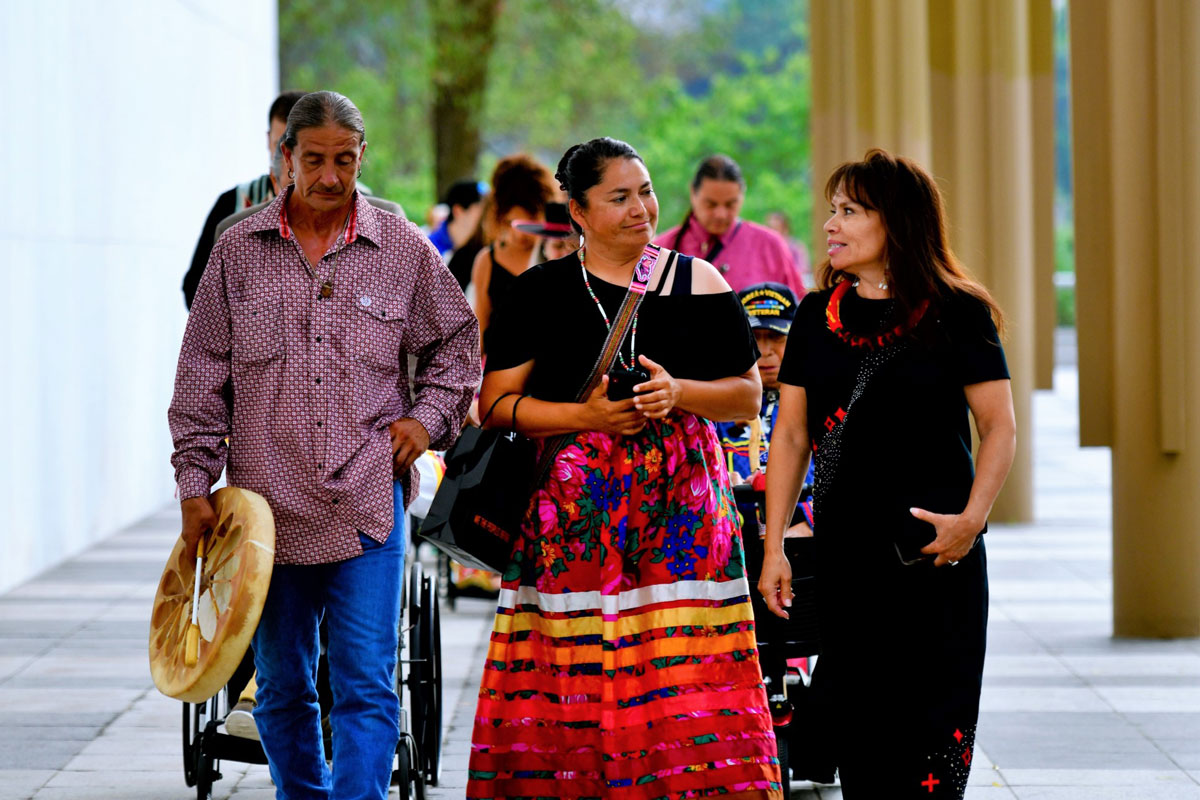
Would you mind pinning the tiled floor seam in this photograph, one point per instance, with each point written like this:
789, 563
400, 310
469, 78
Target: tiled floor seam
1057, 656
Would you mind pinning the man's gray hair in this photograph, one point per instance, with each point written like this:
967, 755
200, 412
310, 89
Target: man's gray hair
322, 108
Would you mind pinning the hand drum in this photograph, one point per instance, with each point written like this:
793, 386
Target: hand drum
234, 579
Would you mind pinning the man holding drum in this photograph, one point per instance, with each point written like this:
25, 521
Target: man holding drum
297, 350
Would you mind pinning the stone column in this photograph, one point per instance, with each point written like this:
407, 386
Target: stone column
1041, 75
1136, 115
951, 83
983, 155
870, 87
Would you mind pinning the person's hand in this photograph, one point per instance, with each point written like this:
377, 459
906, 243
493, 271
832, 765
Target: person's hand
619, 418
657, 396
775, 583
956, 535
409, 441
198, 519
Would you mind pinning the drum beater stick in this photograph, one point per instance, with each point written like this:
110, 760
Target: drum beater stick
191, 651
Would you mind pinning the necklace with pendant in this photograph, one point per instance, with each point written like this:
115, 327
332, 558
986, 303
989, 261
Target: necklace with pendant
326, 289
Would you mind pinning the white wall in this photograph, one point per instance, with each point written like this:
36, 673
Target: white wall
120, 123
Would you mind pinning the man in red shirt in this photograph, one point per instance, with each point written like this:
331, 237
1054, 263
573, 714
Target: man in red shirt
308, 311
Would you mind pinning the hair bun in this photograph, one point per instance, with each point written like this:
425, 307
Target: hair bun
563, 173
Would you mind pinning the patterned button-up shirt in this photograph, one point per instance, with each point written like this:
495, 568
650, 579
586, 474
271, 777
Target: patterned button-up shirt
305, 387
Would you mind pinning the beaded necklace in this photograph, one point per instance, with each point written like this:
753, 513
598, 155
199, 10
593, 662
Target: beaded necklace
833, 319
604, 314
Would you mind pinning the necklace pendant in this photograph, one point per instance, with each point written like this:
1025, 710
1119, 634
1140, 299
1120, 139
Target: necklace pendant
327, 289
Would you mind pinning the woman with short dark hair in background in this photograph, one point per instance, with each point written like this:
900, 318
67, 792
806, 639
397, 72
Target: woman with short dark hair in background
744, 252
623, 660
883, 367
521, 188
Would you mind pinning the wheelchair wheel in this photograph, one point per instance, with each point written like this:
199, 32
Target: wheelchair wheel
407, 777
191, 741
423, 677
199, 769
429, 734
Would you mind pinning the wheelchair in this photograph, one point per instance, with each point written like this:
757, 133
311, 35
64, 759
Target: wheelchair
788, 648
418, 683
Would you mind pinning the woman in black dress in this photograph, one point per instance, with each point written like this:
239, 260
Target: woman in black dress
521, 188
882, 367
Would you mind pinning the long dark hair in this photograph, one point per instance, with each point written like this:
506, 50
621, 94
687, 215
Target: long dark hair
920, 264
718, 167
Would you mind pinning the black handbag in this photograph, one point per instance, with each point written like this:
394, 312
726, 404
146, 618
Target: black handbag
476, 515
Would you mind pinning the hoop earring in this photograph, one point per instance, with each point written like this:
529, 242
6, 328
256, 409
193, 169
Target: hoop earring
291, 174
359, 175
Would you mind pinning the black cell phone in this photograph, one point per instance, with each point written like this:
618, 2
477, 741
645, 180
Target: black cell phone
622, 381
911, 536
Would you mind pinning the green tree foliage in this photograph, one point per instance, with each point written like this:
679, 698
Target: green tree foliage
464, 33
678, 79
759, 117
376, 52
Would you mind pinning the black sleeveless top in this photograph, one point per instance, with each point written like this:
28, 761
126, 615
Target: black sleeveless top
500, 282
551, 320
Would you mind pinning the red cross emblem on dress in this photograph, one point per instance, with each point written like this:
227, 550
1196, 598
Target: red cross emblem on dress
930, 782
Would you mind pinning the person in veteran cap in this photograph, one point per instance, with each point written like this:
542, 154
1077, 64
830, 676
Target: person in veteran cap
771, 308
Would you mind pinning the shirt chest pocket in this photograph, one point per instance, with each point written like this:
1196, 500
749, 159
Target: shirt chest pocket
378, 328
257, 329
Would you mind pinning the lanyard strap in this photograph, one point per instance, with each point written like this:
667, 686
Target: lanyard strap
643, 271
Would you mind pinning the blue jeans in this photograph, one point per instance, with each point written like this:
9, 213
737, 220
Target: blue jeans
360, 600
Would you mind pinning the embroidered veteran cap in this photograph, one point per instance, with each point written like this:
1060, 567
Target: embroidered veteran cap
769, 305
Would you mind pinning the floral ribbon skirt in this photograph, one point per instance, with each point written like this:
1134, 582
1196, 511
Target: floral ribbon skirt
623, 661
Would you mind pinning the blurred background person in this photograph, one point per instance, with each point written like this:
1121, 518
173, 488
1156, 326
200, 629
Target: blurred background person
745, 252
778, 222
556, 237
260, 190
521, 188
464, 204
771, 307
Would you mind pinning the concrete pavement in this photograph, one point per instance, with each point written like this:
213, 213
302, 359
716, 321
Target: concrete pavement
1068, 712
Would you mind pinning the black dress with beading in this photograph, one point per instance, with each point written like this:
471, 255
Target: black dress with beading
903, 645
